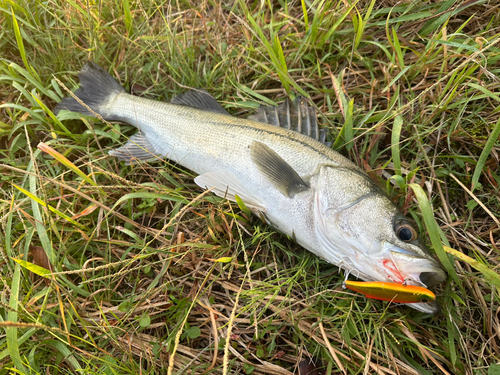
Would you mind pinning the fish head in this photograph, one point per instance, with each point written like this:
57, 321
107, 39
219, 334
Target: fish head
360, 229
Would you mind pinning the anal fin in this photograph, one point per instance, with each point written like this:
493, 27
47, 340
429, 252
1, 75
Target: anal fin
138, 147
226, 185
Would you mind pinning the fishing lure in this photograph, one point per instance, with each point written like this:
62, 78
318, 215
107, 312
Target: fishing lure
394, 292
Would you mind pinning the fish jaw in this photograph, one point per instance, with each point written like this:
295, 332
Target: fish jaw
428, 308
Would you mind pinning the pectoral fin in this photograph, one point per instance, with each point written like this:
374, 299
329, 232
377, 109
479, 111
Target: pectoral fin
277, 170
226, 185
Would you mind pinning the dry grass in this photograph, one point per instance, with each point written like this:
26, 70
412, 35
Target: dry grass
135, 286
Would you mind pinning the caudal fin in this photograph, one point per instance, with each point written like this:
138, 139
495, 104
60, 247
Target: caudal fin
98, 88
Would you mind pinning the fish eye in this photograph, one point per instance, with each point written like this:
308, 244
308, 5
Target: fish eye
406, 232
424, 300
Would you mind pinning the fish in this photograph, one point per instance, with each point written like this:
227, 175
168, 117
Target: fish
276, 161
394, 292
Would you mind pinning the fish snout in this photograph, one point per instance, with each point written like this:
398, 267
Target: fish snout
431, 279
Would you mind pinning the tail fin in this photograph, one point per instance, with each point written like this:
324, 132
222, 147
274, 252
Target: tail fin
97, 89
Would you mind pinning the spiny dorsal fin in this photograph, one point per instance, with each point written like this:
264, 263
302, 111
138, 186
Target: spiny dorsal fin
138, 147
278, 171
296, 115
200, 99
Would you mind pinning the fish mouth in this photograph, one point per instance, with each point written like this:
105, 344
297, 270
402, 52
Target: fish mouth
415, 269
431, 279
427, 278
405, 266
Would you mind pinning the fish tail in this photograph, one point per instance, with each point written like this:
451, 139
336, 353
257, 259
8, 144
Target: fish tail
96, 94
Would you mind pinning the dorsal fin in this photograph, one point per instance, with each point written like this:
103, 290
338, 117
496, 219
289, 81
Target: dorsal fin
201, 99
296, 115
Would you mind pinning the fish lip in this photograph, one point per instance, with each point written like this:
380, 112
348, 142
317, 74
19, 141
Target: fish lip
433, 307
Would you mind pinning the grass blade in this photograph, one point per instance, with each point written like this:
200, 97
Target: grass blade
55, 210
304, 12
67, 353
395, 138
433, 231
362, 22
63, 160
336, 25
346, 132
8, 232
491, 276
53, 117
12, 343
40, 271
484, 155
40, 227
395, 79
485, 91
349, 131
34, 80
243, 207
19, 40
435, 22
276, 56
128, 18
398, 50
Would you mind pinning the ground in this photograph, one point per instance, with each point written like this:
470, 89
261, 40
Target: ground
148, 274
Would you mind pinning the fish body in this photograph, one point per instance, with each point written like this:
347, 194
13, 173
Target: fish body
302, 187
394, 292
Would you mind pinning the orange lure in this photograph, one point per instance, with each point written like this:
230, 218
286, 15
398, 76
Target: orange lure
391, 291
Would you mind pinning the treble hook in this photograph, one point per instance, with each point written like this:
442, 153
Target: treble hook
348, 272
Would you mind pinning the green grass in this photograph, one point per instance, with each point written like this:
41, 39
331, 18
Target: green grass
136, 286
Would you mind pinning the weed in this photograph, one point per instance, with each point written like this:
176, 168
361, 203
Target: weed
150, 275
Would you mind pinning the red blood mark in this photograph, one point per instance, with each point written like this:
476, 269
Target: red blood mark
392, 272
